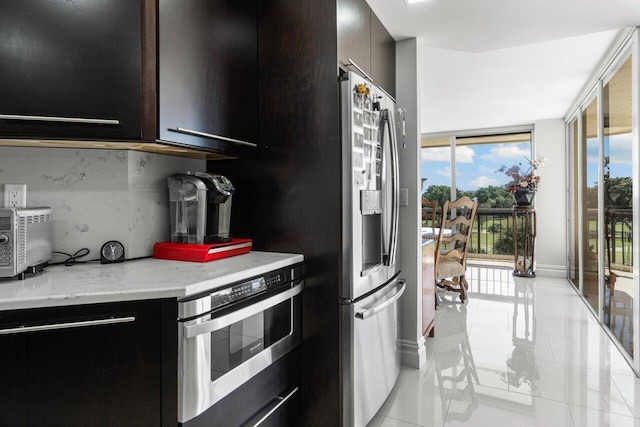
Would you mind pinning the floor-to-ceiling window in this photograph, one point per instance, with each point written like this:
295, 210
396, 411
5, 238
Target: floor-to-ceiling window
618, 208
589, 164
603, 154
573, 206
471, 164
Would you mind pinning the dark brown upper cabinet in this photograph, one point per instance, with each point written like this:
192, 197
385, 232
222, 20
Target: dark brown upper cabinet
354, 34
363, 39
70, 70
182, 72
383, 56
208, 74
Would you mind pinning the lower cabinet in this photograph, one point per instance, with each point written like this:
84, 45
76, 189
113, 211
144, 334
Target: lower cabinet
273, 392
101, 365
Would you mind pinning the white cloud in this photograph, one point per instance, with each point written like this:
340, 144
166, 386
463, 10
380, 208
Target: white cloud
437, 154
592, 150
464, 154
483, 181
446, 172
620, 149
509, 152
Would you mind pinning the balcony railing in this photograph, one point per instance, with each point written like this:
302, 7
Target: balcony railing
621, 230
619, 243
492, 234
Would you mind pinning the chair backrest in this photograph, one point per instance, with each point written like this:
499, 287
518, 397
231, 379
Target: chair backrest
429, 208
455, 230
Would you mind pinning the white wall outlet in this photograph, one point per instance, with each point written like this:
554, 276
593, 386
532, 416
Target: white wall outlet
15, 195
404, 197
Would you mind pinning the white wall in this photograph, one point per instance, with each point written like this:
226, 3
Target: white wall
97, 195
411, 339
506, 87
550, 201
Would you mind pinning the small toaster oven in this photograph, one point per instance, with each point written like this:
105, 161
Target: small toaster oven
25, 240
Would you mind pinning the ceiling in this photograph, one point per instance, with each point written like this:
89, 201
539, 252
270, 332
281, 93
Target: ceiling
495, 63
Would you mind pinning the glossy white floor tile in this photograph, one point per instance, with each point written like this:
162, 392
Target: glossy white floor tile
520, 352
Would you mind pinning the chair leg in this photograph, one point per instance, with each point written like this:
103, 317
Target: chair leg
463, 288
456, 284
463, 294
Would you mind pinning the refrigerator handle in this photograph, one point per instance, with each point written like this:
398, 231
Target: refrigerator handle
363, 314
395, 188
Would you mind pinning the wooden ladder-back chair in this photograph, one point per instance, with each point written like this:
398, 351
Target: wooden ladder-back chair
429, 208
452, 245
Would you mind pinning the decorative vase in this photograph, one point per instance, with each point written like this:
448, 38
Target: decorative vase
524, 196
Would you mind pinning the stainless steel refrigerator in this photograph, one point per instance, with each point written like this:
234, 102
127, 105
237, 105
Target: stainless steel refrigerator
371, 282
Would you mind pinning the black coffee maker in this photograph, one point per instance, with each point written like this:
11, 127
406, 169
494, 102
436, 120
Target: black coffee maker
200, 207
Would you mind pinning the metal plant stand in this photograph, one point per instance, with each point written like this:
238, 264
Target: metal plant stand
524, 238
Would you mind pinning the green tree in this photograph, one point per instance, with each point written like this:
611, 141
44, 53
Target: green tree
494, 196
591, 196
442, 193
439, 193
504, 244
619, 192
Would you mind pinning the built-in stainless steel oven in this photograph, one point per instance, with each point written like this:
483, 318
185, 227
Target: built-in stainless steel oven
229, 335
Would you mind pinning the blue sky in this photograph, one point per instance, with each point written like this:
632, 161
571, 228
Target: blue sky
619, 151
476, 164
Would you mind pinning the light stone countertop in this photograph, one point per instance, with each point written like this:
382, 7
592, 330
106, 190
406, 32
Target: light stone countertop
147, 278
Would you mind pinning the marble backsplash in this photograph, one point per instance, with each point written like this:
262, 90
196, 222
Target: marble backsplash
97, 195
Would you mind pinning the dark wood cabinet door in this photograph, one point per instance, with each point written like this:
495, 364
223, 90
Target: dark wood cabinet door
70, 62
107, 373
383, 56
208, 73
13, 387
354, 34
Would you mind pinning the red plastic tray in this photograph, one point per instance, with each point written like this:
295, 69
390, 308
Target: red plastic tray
201, 253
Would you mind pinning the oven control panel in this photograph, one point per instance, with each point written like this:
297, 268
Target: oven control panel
246, 289
221, 298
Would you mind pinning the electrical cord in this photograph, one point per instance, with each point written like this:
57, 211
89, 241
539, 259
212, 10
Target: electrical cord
73, 259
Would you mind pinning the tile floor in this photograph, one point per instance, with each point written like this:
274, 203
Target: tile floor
520, 352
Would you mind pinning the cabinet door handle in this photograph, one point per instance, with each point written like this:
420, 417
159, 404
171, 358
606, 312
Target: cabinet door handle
59, 119
353, 64
212, 136
24, 329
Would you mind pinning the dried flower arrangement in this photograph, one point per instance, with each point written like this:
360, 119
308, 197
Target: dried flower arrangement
528, 180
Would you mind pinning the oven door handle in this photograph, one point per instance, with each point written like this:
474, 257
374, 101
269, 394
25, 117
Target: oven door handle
209, 326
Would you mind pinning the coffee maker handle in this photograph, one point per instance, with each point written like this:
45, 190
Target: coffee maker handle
181, 217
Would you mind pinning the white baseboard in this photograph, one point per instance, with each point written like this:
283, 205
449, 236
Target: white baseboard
414, 353
549, 270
